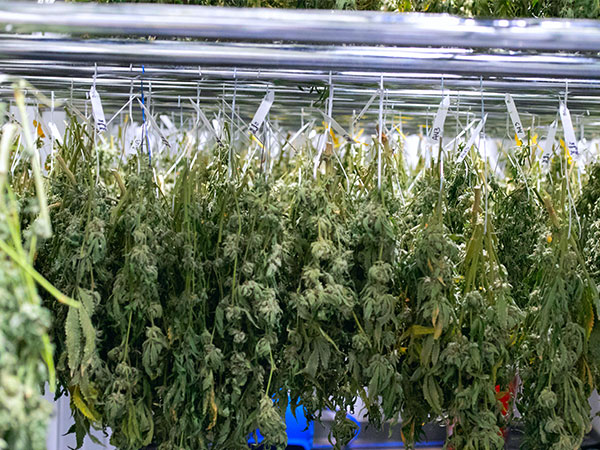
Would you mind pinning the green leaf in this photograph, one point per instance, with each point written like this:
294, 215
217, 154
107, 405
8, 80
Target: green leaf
73, 339
89, 334
426, 351
502, 310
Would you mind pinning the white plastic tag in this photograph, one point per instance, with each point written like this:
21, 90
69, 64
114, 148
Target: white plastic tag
437, 131
55, 133
168, 123
218, 125
261, 112
205, 121
164, 140
366, 107
547, 155
450, 144
471, 140
570, 140
97, 110
298, 133
134, 136
336, 126
514, 117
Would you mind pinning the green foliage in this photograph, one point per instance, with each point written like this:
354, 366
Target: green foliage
209, 299
26, 360
584, 9
288, 4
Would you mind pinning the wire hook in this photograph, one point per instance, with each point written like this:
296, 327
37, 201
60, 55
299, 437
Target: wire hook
95, 75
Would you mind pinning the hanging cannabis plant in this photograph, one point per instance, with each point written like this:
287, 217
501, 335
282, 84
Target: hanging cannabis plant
26, 360
217, 287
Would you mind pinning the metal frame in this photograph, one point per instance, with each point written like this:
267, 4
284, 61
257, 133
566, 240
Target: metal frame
389, 48
326, 27
308, 57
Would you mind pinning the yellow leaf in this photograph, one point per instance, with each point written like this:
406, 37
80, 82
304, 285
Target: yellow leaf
420, 330
400, 132
590, 320
434, 315
38, 127
586, 373
438, 330
415, 331
255, 139
213, 410
567, 153
336, 141
86, 410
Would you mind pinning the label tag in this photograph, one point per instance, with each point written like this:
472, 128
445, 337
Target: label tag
336, 126
471, 140
437, 131
55, 133
298, 133
514, 117
97, 110
570, 140
261, 112
467, 128
547, 155
134, 134
205, 121
366, 107
164, 140
168, 123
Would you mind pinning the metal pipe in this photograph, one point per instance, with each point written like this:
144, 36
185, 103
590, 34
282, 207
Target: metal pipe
179, 80
115, 92
328, 27
337, 58
112, 74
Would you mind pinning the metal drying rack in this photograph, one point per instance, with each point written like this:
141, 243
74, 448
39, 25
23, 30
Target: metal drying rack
209, 53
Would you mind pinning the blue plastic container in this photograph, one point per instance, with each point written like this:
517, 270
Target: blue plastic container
300, 432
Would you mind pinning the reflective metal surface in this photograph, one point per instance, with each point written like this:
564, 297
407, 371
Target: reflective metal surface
168, 90
328, 58
331, 27
469, 60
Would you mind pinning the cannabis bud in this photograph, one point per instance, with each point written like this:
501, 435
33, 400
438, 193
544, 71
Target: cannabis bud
547, 398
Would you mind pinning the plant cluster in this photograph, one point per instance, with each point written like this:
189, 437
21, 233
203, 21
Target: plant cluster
26, 351
212, 296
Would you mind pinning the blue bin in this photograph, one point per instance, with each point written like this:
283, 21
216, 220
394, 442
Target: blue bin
300, 432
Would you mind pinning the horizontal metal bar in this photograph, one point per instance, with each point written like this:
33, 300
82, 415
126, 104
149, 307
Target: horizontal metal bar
339, 27
333, 58
289, 102
65, 73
